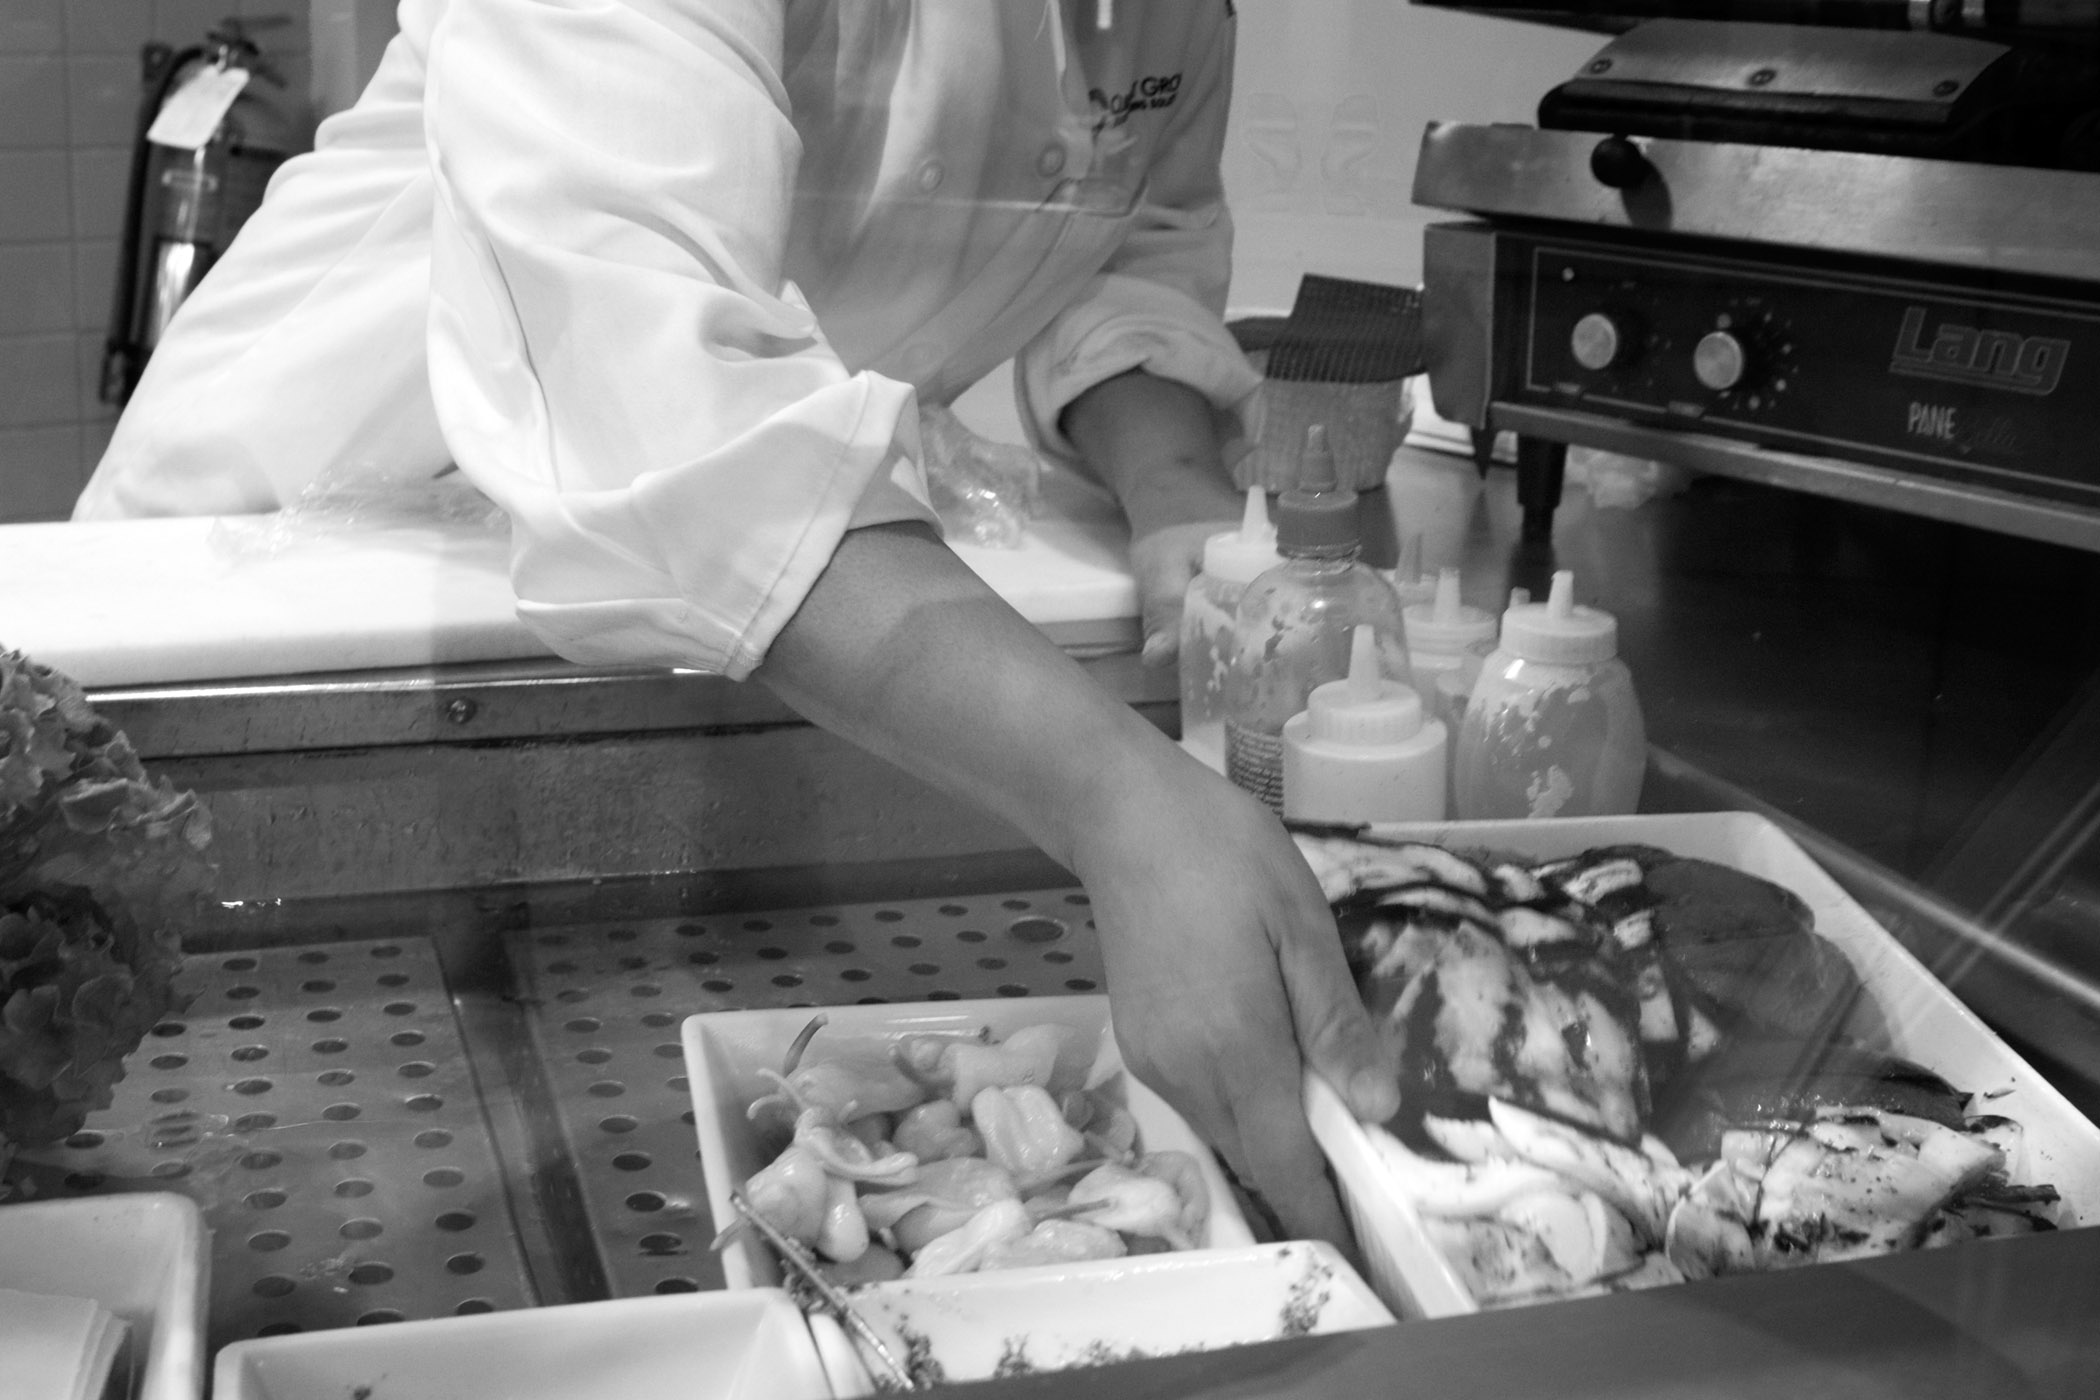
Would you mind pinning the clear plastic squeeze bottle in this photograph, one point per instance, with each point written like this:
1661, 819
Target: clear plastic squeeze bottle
1448, 641
1553, 728
1294, 625
1362, 750
1231, 561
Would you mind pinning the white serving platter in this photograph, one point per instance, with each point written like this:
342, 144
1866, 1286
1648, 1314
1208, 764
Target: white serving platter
142, 1255
750, 1345
1918, 1018
724, 1052
1026, 1321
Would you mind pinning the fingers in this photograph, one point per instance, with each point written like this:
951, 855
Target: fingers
1164, 562
1278, 1156
1338, 1037
1163, 565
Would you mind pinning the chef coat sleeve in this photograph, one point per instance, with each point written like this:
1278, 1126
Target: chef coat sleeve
1159, 302
615, 355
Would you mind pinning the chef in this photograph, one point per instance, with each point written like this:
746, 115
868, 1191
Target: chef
667, 279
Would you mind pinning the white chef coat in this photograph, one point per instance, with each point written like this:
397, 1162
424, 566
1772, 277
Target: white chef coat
663, 277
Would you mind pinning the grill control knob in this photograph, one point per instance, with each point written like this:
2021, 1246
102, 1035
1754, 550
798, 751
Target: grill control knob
1619, 163
1719, 361
1596, 341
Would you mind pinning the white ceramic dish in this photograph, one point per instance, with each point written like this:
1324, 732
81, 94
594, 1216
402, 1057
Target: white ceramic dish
142, 1255
1923, 1022
1025, 1321
751, 1345
725, 1050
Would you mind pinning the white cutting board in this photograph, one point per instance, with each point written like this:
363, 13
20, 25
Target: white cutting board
168, 601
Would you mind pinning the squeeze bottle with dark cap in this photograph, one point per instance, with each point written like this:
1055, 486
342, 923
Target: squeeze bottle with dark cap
1294, 625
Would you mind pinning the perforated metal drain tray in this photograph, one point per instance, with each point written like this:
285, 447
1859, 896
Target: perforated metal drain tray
490, 1110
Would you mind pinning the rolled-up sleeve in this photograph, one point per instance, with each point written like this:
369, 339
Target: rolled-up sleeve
1159, 302
615, 355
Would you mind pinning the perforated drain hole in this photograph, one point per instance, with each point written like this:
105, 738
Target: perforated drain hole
1038, 929
637, 1165
305, 1202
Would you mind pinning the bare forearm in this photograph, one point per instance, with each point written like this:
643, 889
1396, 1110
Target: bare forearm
1223, 966
1155, 444
901, 649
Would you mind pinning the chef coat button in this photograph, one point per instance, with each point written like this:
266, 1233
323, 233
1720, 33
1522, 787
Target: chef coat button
930, 176
1050, 161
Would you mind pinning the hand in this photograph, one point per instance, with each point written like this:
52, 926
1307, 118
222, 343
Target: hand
1156, 444
1226, 977
1164, 561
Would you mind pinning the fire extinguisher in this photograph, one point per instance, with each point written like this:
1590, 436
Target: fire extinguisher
187, 200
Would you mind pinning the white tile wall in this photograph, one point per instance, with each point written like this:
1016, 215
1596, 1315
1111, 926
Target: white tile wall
69, 94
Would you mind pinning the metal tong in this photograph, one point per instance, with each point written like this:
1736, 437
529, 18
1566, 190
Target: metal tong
892, 1374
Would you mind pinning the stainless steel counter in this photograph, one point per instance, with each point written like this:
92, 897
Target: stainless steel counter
431, 1065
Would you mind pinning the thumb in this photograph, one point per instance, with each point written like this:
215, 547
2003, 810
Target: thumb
1163, 566
1336, 1034
1160, 618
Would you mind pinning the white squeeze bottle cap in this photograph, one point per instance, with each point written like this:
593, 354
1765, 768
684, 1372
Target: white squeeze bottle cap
1245, 554
1364, 709
1408, 580
1560, 631
1361, 750
1447, 625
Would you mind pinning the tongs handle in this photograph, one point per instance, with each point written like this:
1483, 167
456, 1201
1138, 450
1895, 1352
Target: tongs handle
797, 1259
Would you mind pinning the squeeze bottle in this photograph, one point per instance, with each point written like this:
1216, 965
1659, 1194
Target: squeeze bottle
1294, 625
1553, 728
1407, 577
1231, 561
1362, 751
1447, 643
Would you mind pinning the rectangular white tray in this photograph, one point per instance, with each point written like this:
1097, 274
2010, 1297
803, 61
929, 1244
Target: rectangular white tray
750, 1345
1022, 1321
725, 1050
1924, 1022
141, 1254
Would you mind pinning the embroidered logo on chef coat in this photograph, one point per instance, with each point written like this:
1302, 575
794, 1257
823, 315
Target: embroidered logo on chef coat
1150, 93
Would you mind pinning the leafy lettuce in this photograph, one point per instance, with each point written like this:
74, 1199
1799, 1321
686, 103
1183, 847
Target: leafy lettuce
100, 868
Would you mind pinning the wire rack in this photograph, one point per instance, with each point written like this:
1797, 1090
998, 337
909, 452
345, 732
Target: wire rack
608, 1000
320, 1100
